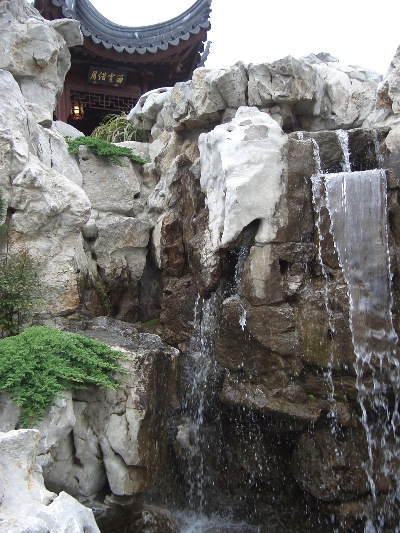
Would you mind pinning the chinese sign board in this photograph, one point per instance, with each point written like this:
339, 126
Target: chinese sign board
106, 76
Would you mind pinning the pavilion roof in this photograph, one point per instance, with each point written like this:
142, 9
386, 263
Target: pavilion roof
137, 39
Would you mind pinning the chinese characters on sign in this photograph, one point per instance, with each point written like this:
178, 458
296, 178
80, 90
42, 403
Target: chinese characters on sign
106, 76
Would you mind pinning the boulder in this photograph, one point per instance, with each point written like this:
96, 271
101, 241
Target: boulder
36, 53
241, 168
25, 502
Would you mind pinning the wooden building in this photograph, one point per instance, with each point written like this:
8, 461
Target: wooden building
116, 64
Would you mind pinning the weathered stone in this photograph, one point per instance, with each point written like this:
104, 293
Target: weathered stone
179, 298
119, 437
36, 54
287, 80
48, 209
388, 95
70, 30
392, 143
145, 112
24, 499
254, 142
168, 244
121, 244
247, 342
204, 262
119, 195
322, 321
258, 398
52, 151
159, 520
274, 272
328, 465
215, 90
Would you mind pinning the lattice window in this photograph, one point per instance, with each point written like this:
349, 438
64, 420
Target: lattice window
103, 101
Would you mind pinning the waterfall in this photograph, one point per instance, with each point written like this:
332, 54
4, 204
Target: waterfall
200, 386
343, 138
357, 206
317, 187
242, 256
380, 160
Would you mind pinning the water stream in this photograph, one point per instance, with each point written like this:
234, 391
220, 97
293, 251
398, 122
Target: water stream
201, 375
318, 195
357, 206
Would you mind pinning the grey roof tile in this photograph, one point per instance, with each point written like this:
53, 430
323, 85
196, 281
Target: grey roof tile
140, 39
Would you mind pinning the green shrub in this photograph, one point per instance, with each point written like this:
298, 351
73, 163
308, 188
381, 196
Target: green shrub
100, 147
19, 287
116, 128
41, 362
19, 291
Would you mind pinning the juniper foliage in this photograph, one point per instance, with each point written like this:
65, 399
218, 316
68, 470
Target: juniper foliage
41, 362
101, 147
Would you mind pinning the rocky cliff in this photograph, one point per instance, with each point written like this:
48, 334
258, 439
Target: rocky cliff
250, 272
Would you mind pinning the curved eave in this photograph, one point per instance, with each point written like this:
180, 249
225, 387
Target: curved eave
141, 39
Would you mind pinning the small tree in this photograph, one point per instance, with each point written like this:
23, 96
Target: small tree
19, 291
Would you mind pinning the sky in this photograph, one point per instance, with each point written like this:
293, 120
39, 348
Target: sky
357, 32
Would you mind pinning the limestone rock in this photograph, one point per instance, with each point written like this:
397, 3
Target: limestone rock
168, 244
36, 54
121, 245
121, 194
257, 398
288, 81
25, 502
49, 209
179, 298
144, 114
241, 175
52, 151
389, 88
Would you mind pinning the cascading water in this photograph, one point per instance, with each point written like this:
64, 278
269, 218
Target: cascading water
343, 138
242, 256
317, 187
357, 206
201, 375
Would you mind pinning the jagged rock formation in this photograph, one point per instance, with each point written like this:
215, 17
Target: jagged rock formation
26, 505
228, 206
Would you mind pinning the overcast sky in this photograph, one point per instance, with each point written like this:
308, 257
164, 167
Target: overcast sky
361, 32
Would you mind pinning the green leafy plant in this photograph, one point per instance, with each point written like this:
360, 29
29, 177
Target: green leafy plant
116, 128
19, 286
41, 362
101, 147
19, 292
